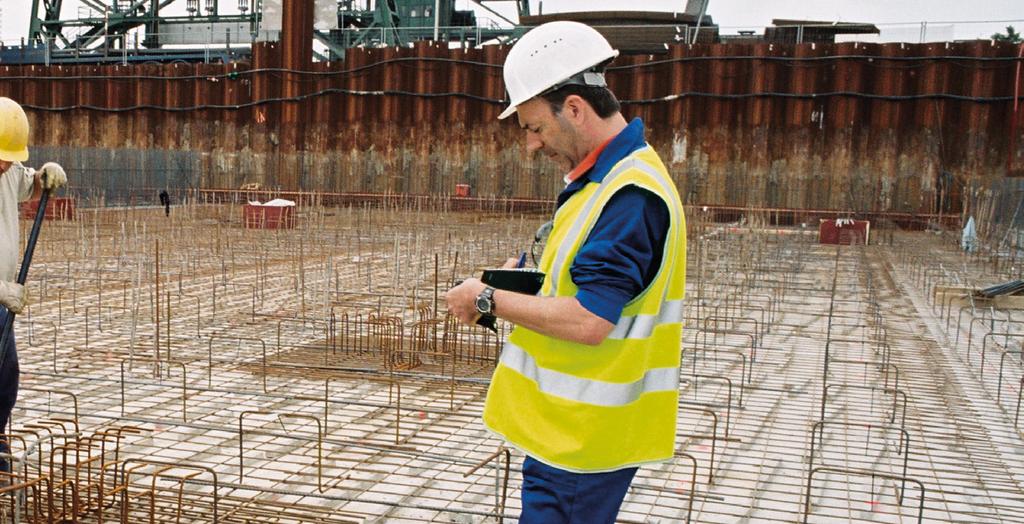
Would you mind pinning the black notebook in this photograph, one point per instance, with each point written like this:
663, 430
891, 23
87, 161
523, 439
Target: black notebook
527, 281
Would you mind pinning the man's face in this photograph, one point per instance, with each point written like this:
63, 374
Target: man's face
549, 133
4, 166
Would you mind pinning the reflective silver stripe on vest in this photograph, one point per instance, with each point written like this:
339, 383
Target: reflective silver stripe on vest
595, 392
581, 219
641, 326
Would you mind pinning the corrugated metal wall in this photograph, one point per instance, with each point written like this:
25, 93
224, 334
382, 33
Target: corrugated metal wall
845, 126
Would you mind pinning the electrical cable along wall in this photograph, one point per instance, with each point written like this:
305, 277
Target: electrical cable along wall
862, 127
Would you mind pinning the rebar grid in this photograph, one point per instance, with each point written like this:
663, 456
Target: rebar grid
310, 376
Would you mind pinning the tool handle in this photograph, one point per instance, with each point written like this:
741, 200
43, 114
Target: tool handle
33, 235
26, 261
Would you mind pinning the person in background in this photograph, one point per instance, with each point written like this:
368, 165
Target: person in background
165, 200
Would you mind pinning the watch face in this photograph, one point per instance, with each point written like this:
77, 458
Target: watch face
483, 305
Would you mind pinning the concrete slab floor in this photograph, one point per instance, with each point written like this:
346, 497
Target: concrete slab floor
213, 380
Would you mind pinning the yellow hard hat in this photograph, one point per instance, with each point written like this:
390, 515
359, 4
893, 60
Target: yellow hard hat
13, 131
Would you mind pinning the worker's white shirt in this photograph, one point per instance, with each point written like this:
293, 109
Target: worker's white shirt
15, 186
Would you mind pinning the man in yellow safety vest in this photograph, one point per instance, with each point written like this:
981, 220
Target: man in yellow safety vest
587, 382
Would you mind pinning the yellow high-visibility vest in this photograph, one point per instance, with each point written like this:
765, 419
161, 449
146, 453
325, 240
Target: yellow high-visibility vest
599, 408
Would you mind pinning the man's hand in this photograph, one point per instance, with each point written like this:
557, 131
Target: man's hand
13, 296
55, 176
461, 300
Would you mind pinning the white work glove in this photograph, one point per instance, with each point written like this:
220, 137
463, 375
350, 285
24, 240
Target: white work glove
55, 175
13, 296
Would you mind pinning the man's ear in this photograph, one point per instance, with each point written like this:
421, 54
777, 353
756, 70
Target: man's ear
574, 108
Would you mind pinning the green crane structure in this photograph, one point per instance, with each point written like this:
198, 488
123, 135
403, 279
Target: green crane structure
145, 30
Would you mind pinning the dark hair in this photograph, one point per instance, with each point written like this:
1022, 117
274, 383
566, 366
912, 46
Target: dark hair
600, 98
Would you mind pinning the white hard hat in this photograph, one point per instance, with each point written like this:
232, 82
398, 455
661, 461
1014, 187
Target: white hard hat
13, 131
552, 55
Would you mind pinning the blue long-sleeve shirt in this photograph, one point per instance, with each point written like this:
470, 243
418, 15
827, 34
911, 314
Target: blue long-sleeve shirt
623, 252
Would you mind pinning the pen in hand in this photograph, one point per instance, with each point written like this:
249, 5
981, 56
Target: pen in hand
522, 261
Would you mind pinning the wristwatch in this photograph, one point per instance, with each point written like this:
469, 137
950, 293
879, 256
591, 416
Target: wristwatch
485, 301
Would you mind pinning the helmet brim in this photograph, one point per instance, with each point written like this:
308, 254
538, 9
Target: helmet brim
14, 156
509, 111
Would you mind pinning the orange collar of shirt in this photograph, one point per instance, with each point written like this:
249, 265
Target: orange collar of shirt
587, 163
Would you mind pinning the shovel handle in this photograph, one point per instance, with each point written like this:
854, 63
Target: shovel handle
26, 261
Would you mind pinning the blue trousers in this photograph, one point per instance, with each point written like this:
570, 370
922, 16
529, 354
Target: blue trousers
556, 496
8, 377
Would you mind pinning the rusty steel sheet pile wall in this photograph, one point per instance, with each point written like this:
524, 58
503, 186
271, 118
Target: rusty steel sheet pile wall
862, 127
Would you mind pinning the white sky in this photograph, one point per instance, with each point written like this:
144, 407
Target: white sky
976, 19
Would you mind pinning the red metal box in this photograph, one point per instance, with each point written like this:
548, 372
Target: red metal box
269, 217
844, 231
